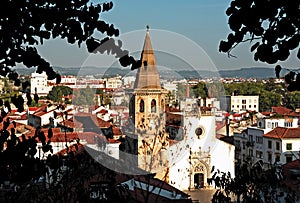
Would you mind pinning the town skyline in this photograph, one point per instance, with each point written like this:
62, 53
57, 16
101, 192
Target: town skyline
204, 23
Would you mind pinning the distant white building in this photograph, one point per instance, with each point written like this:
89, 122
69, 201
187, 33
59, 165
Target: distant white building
68, 80
170, 86
128, 81
241, 103
113, 83
39, 84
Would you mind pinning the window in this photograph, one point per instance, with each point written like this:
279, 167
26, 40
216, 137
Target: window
232, 106
142, 106
259, 154
251, 138
259, 139
238, 106
254, 106
243, 107
162, 105
250, 106
269, 144
199, 131
270, 157
277, 158
250, 100
289, 146
288, 158
288, 124
250, 152
153, 106
244, 101
277, 146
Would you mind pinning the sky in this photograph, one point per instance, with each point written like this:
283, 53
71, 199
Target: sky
203, 22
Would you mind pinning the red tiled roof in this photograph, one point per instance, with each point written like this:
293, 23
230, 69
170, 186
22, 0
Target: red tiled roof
284, 111
281, 133
59, 136
117, 131
33, 108
281, 110
103, 111
220, 125
266, 113
102, 123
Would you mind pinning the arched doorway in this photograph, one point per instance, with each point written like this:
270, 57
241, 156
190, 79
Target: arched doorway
200, 175
198, 180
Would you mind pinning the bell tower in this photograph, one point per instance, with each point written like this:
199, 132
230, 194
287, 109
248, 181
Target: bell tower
148, 112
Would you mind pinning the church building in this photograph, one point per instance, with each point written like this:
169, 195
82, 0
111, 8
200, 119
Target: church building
180, 153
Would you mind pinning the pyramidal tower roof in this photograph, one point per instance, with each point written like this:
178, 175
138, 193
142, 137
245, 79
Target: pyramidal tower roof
147, 75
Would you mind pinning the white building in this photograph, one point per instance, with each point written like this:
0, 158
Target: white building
241, 103
282, 145
39, 84
128, 81
170, 86
68, 80
113, 83
252, 144
192, 159
189, 104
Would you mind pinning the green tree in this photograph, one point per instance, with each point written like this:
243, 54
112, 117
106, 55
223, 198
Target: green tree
294, 99
269, 99
84, 96
181, 91
272, 27
58, 91
200, 90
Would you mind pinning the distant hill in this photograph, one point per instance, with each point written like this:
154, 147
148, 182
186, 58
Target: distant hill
255, 72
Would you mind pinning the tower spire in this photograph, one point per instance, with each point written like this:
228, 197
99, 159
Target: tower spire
147, 75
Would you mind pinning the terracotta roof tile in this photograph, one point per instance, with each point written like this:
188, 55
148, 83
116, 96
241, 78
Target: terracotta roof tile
285, 111
281, 133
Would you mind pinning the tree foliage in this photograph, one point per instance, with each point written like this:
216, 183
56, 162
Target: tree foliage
250, 184
271, 26
26, 24
84, 96
58, 91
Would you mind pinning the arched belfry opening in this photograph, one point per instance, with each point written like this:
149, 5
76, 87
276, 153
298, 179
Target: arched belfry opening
142, 106
153, 106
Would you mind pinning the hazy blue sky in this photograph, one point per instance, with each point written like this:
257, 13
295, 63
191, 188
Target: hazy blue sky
202, 21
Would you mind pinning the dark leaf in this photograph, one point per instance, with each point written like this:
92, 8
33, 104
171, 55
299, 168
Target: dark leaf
277, 71
254, 46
